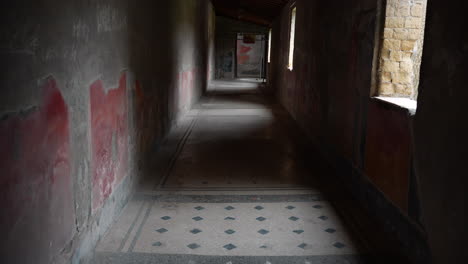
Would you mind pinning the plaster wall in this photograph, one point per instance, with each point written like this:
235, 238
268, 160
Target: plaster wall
88, 90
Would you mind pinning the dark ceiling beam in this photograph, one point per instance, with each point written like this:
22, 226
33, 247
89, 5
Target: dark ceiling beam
243, 15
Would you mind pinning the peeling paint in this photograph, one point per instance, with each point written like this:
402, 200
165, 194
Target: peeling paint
109, 135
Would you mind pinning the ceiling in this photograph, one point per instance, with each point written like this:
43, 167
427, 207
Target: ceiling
256, 11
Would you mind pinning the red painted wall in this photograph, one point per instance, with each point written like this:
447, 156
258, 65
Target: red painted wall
109, 139
35, 184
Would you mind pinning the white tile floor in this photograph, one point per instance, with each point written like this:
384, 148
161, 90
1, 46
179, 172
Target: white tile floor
251, 229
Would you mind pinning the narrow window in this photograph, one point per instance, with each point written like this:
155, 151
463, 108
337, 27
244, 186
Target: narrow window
291, 38
269, 46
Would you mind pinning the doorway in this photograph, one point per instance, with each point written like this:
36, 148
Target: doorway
250, 55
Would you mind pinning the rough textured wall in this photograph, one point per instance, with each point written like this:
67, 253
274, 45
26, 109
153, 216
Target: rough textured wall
226, 39
88, 89
35, 163
109, 139
441, 131
401, 51
328, 93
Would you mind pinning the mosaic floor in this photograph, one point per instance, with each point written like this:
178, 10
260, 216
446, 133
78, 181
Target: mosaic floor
229, 186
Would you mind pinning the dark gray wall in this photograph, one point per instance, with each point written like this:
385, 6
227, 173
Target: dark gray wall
88, 90
441, 129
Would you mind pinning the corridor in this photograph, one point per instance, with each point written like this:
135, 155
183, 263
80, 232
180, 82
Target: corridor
233, 132
231, 186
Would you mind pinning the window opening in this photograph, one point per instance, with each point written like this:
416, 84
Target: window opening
269, 46
292, 34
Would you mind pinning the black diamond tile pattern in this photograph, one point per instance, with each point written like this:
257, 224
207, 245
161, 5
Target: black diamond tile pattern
339, 245
193, 246
260, 220
293, 218
197, 218
229, 246
162, 230
195, 231
229, 231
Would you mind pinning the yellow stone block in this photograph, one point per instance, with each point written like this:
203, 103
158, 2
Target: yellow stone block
417, 10
391, 44
406, 66
400, 33
386, 77
414, 34
395, 22
402, 89
390, 66
386, 89
396, 55
388, 33
401, 77
403, 10
413, 22
408, 45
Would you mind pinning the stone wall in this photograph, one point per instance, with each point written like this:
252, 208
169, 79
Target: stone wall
402, 48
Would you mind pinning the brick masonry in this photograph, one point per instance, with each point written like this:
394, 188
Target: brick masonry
401, 51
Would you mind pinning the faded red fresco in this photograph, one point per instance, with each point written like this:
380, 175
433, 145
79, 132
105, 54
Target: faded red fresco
35, 182
109, 135
242, 53
244, 49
